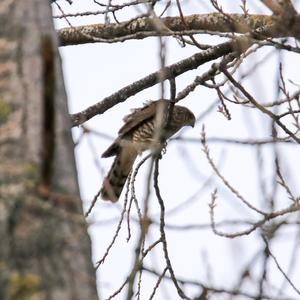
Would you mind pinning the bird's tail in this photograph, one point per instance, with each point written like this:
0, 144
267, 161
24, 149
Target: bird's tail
114, 182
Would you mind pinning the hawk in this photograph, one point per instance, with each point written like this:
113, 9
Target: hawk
140, 133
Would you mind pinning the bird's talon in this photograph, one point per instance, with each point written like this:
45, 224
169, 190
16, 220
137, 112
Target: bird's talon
164, 148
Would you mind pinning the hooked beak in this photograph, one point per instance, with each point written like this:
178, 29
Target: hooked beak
193, 121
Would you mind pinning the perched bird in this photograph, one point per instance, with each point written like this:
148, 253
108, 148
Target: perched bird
140, 133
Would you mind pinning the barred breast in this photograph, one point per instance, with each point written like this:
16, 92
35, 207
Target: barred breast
144, 133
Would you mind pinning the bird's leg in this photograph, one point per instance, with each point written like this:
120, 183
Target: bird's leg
164, 147
158, 148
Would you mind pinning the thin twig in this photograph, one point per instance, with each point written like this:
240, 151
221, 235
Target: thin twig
259, 106
279, 267
162, 275
162, 231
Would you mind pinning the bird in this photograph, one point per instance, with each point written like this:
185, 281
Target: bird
139, 133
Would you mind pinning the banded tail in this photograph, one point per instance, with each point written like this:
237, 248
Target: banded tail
114, 182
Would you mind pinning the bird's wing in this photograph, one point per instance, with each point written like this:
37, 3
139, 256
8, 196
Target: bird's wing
112, 150
136, 118
139, 116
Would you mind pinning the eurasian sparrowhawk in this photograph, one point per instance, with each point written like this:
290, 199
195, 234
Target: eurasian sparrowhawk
138, 134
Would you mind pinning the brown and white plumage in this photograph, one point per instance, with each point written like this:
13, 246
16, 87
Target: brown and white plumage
137, 135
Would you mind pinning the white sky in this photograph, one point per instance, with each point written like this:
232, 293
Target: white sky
94, 71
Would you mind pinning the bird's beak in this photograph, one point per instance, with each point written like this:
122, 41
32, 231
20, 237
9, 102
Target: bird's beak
192, 123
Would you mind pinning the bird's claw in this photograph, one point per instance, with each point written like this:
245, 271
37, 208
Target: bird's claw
164, 148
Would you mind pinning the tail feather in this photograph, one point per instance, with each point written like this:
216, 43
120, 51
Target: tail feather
114, 182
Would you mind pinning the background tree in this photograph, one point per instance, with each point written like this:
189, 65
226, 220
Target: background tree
236, 201
45, 249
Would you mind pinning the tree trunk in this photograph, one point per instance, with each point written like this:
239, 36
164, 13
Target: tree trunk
45, 249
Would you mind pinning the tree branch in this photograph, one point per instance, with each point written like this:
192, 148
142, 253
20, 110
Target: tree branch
280, 7
140, 28
169, 72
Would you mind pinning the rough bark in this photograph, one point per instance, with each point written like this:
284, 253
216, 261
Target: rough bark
45, 249
173, 26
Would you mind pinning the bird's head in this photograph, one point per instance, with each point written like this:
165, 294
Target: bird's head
182, 116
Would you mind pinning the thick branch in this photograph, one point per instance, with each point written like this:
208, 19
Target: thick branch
170, 26
171, 71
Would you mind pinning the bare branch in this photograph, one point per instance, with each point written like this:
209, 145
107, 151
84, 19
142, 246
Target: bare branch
279, 267
224, 180
140, 28
162, 232
264, 110
169, 72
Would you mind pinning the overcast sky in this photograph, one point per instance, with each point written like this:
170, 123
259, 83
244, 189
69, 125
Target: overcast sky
94, 71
